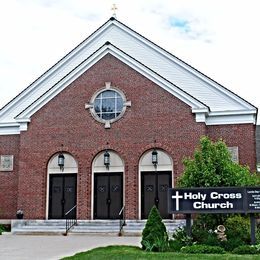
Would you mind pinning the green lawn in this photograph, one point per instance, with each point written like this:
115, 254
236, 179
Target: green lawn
131, 252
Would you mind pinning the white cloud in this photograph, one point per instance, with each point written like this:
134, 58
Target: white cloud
222, 39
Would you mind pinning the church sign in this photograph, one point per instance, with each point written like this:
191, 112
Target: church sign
253, 200
214, 200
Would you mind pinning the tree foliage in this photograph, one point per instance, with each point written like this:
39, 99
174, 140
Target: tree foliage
154, 236
212, 166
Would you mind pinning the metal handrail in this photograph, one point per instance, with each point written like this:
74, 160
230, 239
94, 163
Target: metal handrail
122, 222
120, 212
70, 222
70, 210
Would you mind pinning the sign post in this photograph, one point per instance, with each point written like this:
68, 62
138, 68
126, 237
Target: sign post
188, 224
215, 200
252, 225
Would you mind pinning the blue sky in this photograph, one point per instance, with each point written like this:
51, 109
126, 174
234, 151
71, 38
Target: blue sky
218, 37
182, 24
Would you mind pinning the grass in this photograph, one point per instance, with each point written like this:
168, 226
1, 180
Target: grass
132, 252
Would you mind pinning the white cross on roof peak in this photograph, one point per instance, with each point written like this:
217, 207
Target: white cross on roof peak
114, 8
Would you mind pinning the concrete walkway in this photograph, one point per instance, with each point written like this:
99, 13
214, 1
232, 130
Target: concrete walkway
55, 247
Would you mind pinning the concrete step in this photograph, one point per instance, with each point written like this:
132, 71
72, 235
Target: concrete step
135, 227
132, 227
98, 223
38, 222
57, 227
38, 227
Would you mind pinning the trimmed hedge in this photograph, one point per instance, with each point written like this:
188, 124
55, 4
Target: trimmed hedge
202, 249
246, 250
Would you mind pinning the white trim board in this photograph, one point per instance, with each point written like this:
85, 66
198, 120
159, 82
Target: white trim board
134, 46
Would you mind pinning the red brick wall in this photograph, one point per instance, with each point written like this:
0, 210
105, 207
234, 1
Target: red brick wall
242, 136
9, 145
154, 115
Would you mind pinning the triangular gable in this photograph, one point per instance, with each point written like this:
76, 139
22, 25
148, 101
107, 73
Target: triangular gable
94, 58
206, 97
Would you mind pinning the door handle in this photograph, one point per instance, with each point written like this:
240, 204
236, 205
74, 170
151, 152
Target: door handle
108, 201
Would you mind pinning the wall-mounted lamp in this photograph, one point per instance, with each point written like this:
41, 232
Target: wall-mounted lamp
61, 160
155, 157
106, 159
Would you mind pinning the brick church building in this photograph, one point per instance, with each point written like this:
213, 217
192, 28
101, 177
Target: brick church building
108, 126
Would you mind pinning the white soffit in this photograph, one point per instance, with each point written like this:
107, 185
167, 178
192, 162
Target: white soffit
167, 66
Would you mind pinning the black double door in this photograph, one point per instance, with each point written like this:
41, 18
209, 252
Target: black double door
62, 195
108, 195
154, 191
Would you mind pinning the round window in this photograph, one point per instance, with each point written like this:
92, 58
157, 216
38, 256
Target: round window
108, 104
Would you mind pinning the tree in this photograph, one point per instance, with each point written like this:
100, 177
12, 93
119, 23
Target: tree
154, 236
212, 166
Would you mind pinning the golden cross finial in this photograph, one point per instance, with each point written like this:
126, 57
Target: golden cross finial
114, 8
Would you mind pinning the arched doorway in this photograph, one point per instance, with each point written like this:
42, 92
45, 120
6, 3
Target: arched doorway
62, 187
107, 188
154, 180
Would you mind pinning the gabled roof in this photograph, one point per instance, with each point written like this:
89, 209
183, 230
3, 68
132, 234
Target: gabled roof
211, 102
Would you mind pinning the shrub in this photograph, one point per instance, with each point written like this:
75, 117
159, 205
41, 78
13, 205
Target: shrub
154, 236
180, 235
175, 245
246, 250
209, 221
258, 234
257, 246
202, 249
203, 230
212, 240
161, 244
4, 228
237, 230
231, 244
238, 227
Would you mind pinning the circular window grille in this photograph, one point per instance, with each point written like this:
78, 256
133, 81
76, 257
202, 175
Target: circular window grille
108, 105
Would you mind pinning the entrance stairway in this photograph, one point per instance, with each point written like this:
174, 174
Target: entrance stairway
102, 227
